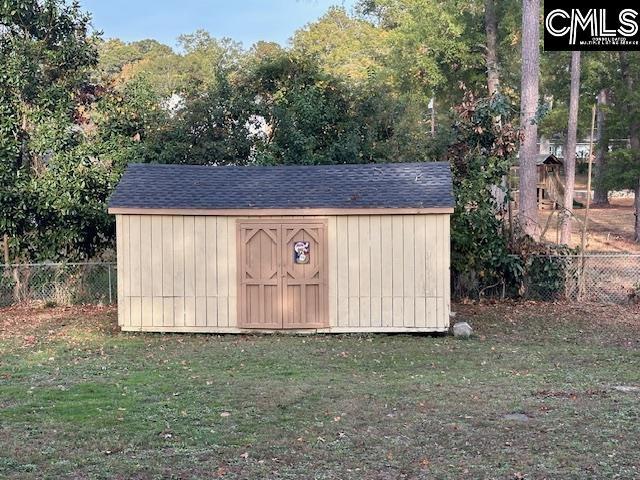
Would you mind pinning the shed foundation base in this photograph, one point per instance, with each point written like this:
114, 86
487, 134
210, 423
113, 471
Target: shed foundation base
287, 331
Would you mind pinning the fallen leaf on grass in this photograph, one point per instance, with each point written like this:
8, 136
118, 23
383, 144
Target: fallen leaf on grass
225, 414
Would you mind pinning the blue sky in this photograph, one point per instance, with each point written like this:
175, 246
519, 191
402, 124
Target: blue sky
243, 20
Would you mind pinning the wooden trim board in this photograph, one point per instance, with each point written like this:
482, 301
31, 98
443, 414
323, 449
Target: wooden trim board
177, 329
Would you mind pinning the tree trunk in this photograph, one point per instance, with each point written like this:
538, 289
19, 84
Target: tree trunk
491, 28
570, 150
634, 132
600, 194
528, 205
636, 204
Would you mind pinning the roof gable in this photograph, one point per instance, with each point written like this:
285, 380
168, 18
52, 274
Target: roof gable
349, 186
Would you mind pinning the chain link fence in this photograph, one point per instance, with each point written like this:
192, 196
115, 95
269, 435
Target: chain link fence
58, 283
605, 278
597, 277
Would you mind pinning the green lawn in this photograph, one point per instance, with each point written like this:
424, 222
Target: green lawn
79, 400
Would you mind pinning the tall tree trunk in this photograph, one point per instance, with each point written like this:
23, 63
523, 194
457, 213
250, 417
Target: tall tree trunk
636, 205
600, 194
527, 204
570, 150
491, 28
634, 132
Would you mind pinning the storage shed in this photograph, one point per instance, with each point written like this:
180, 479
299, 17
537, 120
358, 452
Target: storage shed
336, 248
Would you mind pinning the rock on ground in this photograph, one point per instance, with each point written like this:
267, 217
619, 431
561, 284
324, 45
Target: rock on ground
462, 329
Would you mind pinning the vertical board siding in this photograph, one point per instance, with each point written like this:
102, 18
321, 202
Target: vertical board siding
157, 274
178, 256
134, 256
167, 257
189, 257
120, 268
384, 271
332, 274
342, 251
375, 271
146, 275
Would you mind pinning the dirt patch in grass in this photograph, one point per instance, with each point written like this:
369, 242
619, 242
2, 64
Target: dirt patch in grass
531, 395
610, 228
30, 322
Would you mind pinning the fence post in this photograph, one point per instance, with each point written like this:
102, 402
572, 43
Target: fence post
110, 296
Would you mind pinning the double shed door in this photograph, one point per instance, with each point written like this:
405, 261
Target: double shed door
282, 270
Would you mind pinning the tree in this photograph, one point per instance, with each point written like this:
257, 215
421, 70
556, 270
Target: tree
481, 152
46, 53
491, 28
527, 204
600, 193
629, 72
570, 150
346, 47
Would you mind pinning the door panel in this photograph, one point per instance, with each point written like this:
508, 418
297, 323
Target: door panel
260, 286
303, 283
282, 274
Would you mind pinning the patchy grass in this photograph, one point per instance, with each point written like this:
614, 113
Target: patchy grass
530, 396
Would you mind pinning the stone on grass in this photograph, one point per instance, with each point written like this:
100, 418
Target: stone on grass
517, 417
627, 389
462, 329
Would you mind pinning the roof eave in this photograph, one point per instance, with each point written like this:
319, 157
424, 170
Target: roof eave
264, 212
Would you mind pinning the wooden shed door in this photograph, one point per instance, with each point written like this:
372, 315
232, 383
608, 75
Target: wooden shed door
303, 282
282, 274
260, 291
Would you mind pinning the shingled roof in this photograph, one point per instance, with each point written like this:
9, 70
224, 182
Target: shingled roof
390, 185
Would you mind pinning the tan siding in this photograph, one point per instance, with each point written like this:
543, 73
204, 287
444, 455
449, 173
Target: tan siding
431, 253
120, 268
364, 273
375, 259
189, 258
156, 257
408, 270
333, 271
200, 240
420, 271
136, 311
232, 272
167, 257
343, 271
146, 274
386, 272
222, 269
178, 256
354, 271
134, 256
158, 311
146, 319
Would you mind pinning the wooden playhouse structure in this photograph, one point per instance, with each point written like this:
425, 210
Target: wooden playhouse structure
340, 248
550, 188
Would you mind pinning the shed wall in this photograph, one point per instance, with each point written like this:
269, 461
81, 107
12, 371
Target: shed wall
386, 272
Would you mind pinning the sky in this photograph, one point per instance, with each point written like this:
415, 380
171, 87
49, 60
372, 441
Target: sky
246, 21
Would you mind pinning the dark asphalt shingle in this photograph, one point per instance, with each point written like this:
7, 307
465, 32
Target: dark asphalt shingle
375, 185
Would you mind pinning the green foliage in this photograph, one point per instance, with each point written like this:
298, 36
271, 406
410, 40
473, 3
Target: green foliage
344, 46
481, 153
47, 54
545, 277
623, 169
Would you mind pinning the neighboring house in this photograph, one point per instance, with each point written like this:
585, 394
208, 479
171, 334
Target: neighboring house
335, 248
